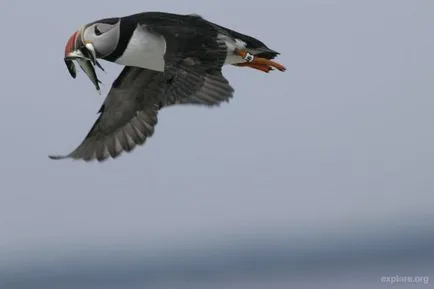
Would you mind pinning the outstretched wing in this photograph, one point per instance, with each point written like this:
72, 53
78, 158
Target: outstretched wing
127, 117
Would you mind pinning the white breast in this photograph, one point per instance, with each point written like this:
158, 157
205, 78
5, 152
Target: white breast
144, 50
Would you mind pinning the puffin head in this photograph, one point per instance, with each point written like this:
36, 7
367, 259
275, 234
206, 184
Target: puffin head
94, 40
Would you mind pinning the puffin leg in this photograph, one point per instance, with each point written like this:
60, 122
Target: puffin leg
250, 58
261, 67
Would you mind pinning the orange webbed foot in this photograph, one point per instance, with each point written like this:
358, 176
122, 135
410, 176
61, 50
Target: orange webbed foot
259, 62
261, 67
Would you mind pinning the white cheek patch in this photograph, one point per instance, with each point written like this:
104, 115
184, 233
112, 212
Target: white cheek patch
103, 44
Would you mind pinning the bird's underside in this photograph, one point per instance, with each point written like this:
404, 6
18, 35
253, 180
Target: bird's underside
192, 75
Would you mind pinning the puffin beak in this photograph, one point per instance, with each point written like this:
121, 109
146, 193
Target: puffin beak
71, 44
69, 49
71, 52
84, 54
77, 48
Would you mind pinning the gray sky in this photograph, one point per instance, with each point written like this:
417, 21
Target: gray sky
344, 137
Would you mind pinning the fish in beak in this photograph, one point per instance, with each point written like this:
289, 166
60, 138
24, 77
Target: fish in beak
85, 55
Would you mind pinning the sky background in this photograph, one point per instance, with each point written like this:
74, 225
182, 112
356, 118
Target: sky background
343, 141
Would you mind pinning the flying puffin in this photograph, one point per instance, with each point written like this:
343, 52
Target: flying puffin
169, 59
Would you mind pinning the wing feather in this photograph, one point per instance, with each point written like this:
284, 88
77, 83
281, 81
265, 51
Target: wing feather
127, 117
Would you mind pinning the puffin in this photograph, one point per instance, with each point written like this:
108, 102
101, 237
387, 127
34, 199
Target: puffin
169, 59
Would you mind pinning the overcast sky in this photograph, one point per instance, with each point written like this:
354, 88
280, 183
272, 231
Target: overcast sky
345, 136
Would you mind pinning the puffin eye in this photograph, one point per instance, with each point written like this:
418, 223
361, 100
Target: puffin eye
97, 31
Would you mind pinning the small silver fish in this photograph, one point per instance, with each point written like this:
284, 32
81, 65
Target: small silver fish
88, 68
86, 60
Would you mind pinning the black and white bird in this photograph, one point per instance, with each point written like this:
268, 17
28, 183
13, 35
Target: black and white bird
169, 59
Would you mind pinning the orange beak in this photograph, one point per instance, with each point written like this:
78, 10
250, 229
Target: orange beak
71, 44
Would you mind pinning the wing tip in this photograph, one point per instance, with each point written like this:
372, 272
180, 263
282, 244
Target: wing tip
77, 157
74, 158
58, 157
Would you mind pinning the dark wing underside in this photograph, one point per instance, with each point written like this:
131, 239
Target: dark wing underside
127, 117
129, 112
